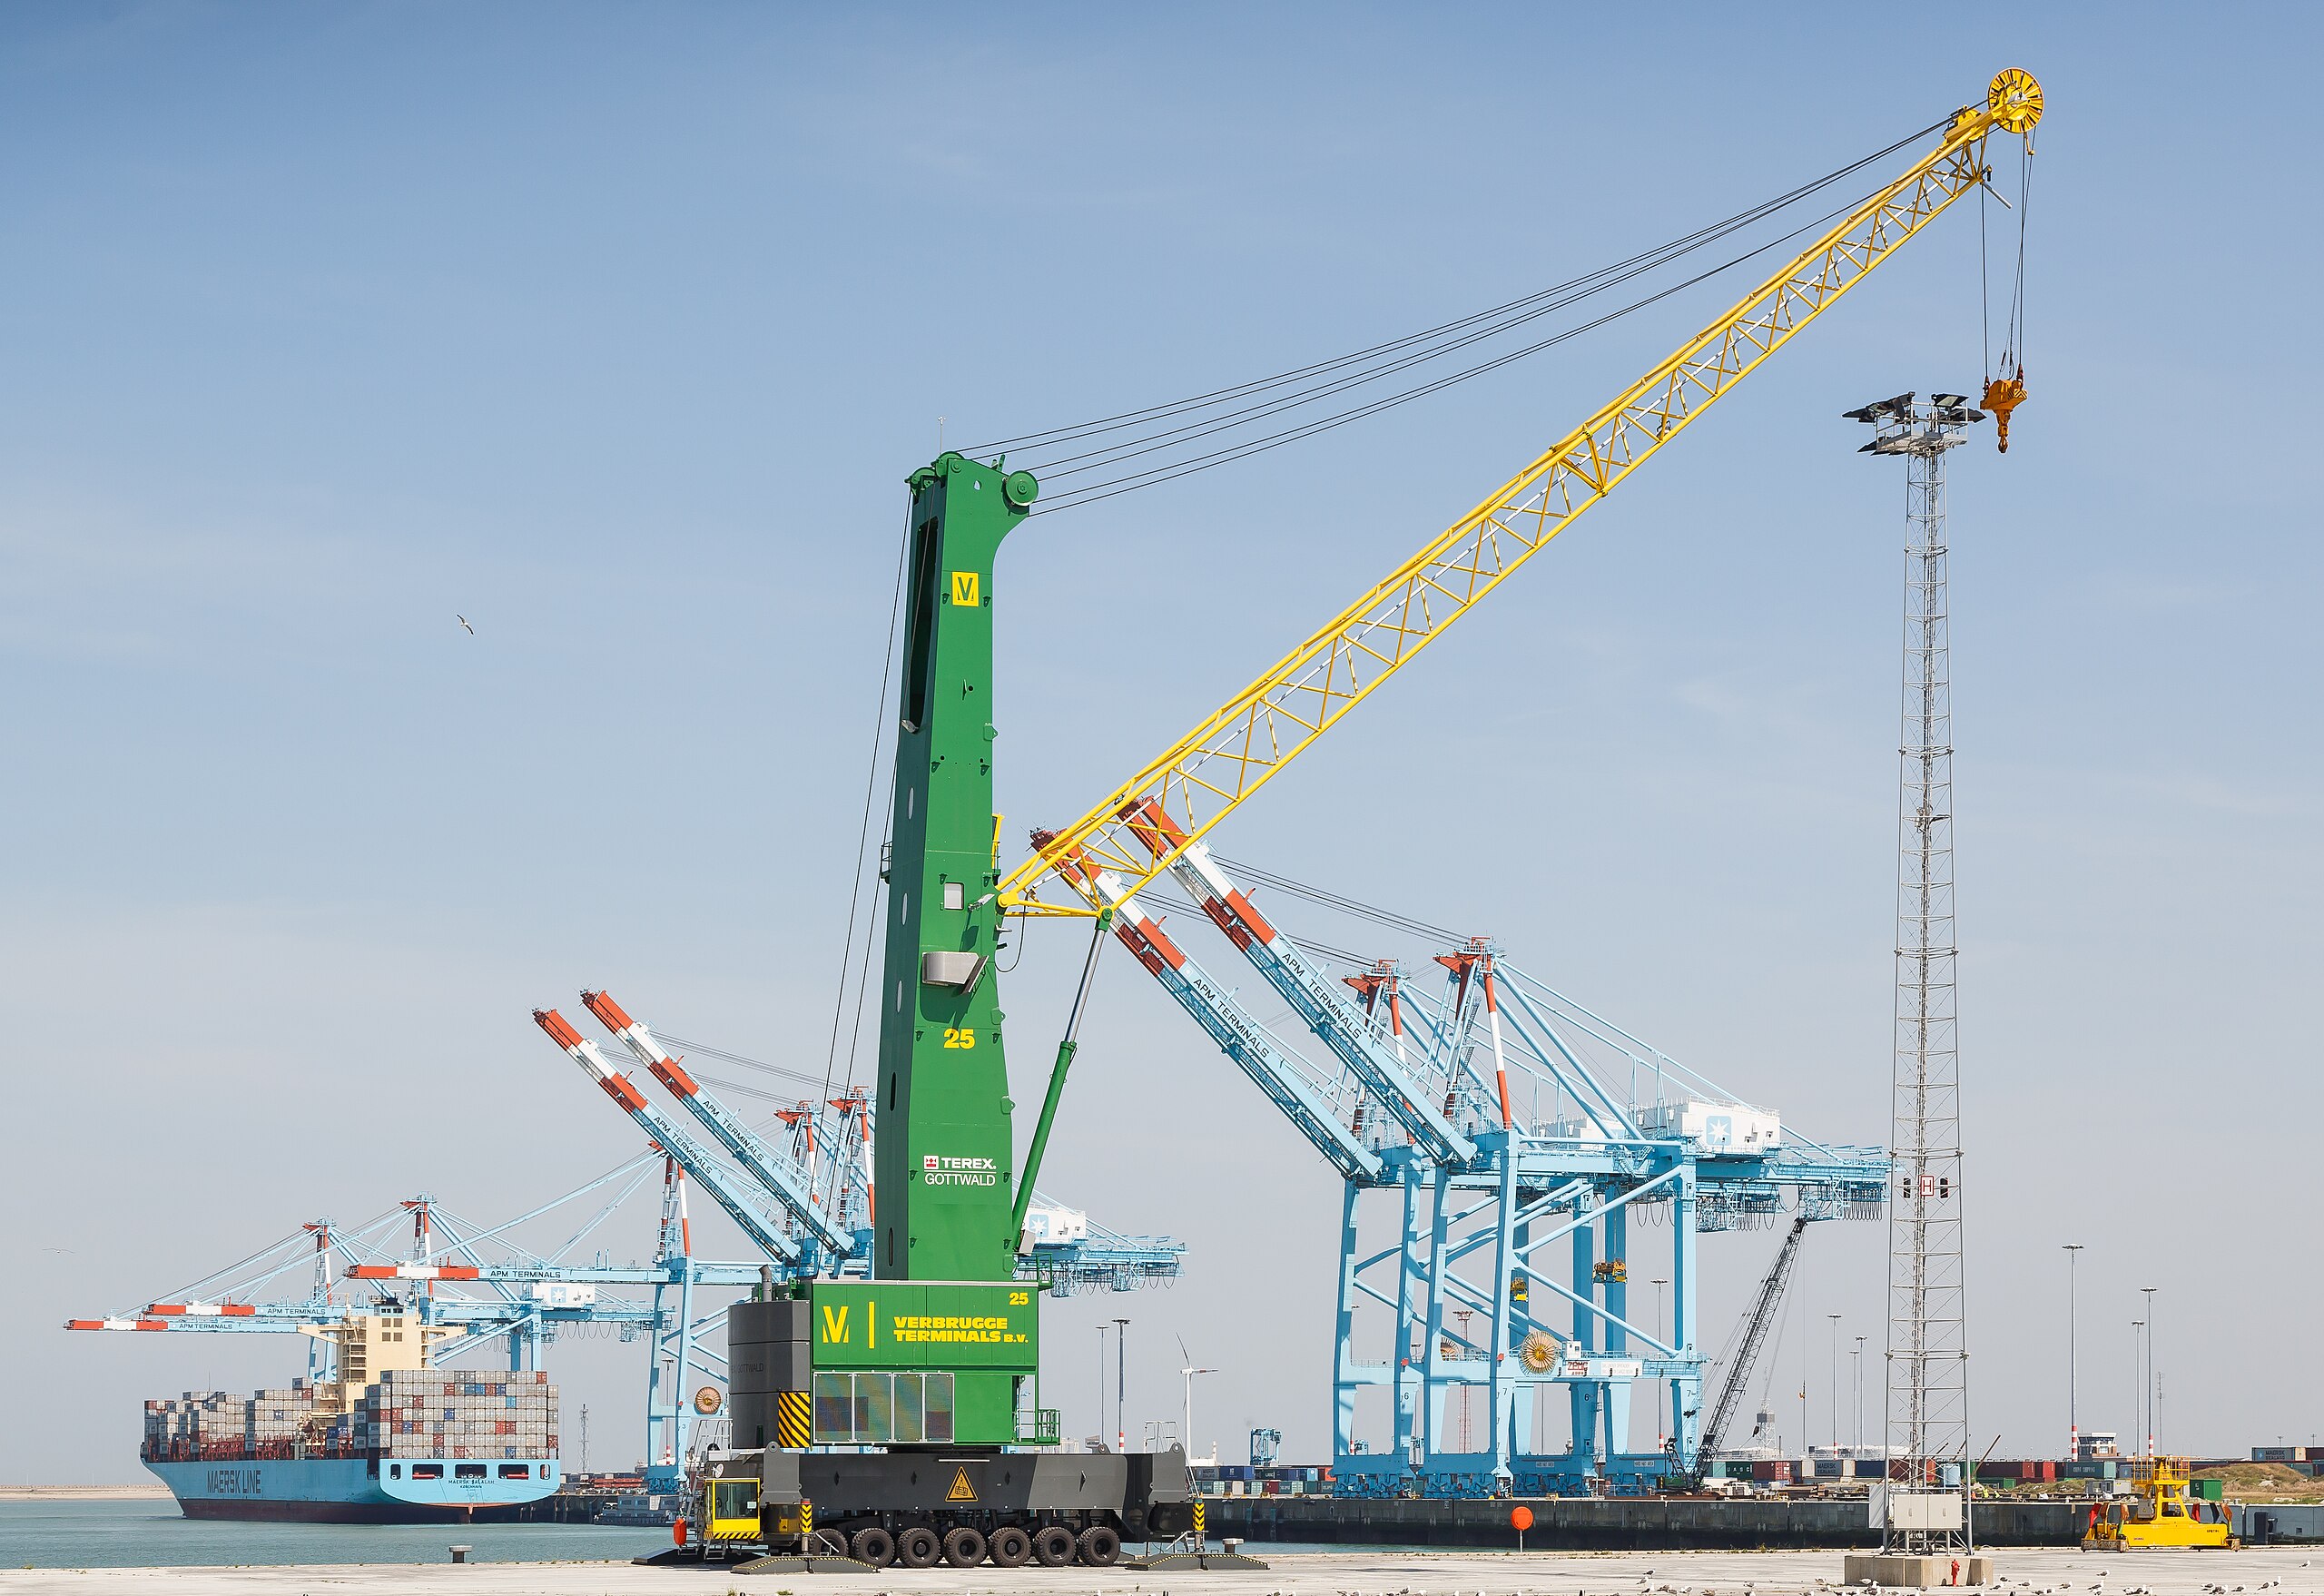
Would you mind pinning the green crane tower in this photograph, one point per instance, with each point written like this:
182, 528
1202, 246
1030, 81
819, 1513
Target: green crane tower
944, 1177
941, 1346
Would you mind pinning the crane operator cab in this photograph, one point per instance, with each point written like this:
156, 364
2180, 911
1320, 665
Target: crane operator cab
731, 1509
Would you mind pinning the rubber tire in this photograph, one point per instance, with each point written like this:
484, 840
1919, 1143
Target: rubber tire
917, 1547
826, 1543
873, 1545
1100, 1546
1053, 1546
963, 1547
1011, 1547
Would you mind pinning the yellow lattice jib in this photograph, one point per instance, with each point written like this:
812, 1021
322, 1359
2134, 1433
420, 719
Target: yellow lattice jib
1248, 741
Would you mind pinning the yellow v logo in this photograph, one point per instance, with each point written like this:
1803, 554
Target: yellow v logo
834, 1325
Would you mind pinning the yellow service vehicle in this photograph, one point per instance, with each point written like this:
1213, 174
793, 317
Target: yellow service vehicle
2161, 1512
731, 1521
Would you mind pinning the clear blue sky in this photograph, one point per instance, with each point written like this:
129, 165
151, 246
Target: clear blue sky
616, 330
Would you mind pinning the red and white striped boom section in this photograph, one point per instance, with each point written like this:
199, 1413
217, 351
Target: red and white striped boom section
1309, 992
692, 1156
1308, 1103
1476, 961
785, 1180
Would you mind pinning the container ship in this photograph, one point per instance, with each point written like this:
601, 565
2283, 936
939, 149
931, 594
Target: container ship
391, 1440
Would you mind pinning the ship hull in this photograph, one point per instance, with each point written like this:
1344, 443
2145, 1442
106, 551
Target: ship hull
351, 1491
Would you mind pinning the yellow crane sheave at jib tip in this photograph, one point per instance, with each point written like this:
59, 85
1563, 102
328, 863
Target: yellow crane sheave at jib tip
2015, 100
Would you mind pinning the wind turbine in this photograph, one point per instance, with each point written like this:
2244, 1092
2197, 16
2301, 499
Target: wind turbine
1189, 1370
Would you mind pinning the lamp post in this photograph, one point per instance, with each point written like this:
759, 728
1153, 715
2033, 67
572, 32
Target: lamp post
2150, 1292
2138, 1375
2073, 1421
1835, 1380
1858, 1355
1101, 1383
1121, 1380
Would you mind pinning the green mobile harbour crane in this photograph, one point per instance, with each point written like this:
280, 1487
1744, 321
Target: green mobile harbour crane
936, 1359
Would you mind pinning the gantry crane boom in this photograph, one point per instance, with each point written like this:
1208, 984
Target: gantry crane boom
785, 1180
740, 1204
1248, 741
1313, 996
1239, 1034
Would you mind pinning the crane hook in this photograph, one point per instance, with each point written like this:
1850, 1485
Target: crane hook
2003, 394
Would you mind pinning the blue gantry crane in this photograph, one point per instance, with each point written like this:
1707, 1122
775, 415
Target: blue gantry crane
478, 1285
803, 1204
1523, 1142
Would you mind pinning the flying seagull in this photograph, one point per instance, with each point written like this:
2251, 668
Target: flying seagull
463, 622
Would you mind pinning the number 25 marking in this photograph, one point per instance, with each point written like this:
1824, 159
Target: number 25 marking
1018, 1299
963, 1038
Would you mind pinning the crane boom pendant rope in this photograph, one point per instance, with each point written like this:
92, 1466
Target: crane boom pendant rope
1250, 739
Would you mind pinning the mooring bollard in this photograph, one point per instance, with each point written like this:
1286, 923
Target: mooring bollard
460, 1553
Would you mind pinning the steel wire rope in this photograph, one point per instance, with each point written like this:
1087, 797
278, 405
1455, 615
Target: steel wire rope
1345, 905
1129, 449
345, 1238
1024, 926
2016, 354
1074, 499
863, 830
1176, 905
1259, 385
1660, 253
747, 1090
1114, 454
726, 1058
1985, 288
862, 986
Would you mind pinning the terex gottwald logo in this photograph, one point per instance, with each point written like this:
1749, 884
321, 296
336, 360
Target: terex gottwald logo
935, 1169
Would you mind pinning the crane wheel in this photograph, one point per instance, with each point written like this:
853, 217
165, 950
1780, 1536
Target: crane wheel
1011, 1547
874, 1546
1053, 1546
963, 1547
1100, 1546
917, 1547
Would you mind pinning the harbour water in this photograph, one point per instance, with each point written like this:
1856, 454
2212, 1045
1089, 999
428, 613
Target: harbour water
150, 1532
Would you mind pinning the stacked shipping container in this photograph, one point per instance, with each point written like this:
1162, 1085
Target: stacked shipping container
451, 1413
409, 1413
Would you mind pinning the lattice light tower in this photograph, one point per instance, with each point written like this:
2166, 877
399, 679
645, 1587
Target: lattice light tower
1928, 1493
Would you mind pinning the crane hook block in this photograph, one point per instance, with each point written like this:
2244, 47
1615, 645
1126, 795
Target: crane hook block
2003, 394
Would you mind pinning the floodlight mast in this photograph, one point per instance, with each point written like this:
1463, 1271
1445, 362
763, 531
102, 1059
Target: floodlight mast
1926, 1500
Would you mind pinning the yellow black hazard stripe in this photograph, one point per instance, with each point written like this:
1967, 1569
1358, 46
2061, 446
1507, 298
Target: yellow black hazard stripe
794, 1419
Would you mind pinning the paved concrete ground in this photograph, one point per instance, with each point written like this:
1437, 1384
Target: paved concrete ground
2278, 1570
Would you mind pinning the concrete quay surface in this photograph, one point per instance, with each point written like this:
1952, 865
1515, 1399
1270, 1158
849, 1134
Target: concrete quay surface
2285, 1570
